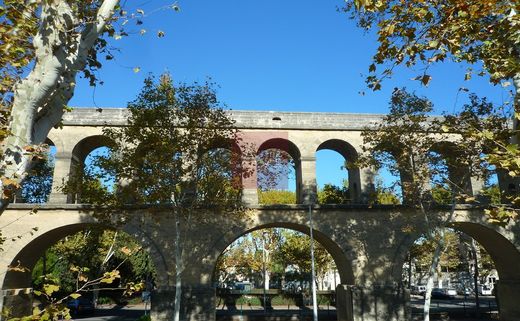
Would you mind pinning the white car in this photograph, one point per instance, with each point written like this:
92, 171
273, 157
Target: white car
485, 290
451, 292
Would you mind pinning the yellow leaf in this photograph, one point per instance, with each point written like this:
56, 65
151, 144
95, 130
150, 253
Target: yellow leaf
126, 251
49, 289
426, 79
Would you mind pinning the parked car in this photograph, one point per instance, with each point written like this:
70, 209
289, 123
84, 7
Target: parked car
464, 291
81, 305
443, 294
418, 289
485, 290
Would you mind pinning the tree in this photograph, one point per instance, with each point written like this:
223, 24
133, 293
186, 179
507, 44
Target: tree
331, 194
60, 38
407, 141
482, 33
270, 197
175, 156
95, 252
295, 250
425, 32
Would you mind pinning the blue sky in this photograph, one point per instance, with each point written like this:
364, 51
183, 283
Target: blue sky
271, 55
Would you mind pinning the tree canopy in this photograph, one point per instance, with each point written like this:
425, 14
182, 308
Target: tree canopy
179, 148
424, 32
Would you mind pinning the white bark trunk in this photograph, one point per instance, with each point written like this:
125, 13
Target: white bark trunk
267, 279
178, 270
516, 121
39, 99
431, 274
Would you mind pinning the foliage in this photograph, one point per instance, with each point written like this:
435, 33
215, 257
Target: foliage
88, 251
37, 186
401, 142
174, 158
456, 256
475, 32
250, 254
274, 169
493, 194
283, 249
331, 194
295, 250
424, 32
271, 197
442, 195
384, 195
451, 259
421, 151
485, 132
179, 155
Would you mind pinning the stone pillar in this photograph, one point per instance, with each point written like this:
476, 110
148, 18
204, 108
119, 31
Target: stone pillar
365, 185
461, 177
372, 303
249, 182
509, 186
62, 168
344, 303
477, 184
198, 303
16, 303
508, 293
308, 190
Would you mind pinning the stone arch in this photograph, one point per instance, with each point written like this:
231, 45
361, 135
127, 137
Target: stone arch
338, 254
290, 148
505, 255
16, 284
507, 260
80, 152
350, 154
87, 145
235, 149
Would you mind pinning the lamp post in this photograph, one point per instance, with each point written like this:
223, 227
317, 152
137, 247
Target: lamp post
264, 255
313, 269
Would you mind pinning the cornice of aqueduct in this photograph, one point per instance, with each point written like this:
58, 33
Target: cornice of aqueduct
245, 119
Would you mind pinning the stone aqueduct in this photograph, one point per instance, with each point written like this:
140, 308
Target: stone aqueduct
368, 244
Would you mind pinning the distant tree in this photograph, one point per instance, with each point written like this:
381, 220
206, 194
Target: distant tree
296, 251
271, 197
384, 195
332, 194
442, 195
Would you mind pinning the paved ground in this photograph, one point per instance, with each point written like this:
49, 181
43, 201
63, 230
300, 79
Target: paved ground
459, 309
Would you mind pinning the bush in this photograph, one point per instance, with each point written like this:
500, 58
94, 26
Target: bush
144, 318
